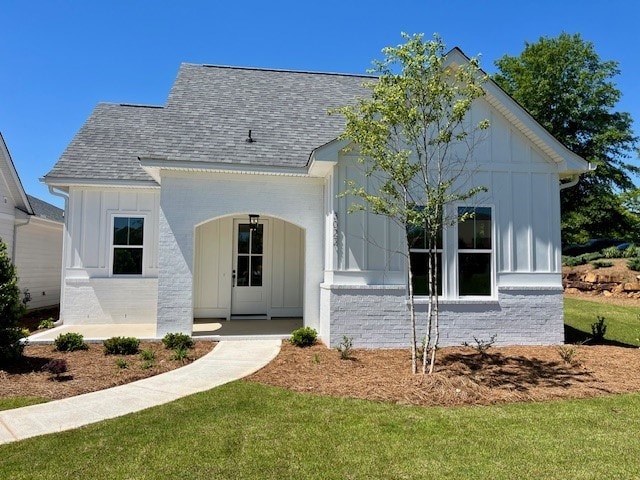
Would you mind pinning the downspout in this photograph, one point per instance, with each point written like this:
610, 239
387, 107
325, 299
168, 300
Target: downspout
64, 196
15, 237
571, 183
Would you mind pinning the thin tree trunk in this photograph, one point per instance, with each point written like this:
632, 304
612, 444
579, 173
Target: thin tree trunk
436, 313
412, 312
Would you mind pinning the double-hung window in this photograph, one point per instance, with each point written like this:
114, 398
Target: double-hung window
474, 252
128, 241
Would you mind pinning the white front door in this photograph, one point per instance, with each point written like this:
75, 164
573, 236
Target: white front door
249, 292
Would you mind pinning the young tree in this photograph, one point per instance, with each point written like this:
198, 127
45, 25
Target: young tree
11, 309
565, 85
414, 139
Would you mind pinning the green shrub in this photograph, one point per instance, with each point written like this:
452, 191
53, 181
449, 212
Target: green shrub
612, 252
121, 363
304, 337
634, 264
590, 257
573, 261
631, 251
345, 347
601, 264
180, 354
598, 329
121, 346
70, 342
567, 353
175, 341
148, 355
11, 310
47, 323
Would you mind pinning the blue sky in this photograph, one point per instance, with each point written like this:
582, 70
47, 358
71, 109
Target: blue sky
59, 58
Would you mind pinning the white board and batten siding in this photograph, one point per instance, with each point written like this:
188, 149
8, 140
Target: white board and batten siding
367, 280
92, 294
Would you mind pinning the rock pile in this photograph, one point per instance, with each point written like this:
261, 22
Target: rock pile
605, 284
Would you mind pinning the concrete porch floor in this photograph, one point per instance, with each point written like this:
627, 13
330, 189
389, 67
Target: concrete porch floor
204, 328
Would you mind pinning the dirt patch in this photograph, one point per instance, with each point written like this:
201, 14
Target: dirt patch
462, 377
88, 370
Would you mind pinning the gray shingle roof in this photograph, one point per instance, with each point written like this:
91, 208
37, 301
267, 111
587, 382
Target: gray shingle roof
207, 118
43, 209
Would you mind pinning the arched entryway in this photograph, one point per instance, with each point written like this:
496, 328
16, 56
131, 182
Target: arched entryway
246, 270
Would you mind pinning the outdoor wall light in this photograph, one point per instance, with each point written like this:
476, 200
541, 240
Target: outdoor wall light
253, 221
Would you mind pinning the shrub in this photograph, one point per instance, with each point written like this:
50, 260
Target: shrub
121, 346
148, 355
601, 264
482, 346
572, 261
175, 341
121, 363
56, 367
180, 354
634, 264
631, 251
598, 329
612, 252
48, 323
590, 257
304, 337
345, 347
11, 310
567, 353
70, 342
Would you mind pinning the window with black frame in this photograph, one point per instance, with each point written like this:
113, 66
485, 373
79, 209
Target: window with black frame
128, 239
475, 251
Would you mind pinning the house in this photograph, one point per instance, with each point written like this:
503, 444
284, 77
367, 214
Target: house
223, 204
32, 230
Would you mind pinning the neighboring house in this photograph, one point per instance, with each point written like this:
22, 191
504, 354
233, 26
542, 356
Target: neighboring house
32, 230
160, 200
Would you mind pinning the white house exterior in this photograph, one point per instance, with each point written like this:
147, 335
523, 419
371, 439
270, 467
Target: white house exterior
159, 198
32, 230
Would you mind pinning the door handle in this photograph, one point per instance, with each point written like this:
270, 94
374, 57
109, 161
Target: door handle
233, 278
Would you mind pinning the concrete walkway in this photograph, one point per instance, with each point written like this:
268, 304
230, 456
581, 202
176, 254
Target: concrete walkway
229, 360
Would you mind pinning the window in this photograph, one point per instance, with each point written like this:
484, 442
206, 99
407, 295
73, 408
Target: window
250, 253
419, 253
474, 251
128, 236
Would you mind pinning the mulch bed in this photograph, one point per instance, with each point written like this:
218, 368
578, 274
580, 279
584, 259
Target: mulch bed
88, 370
462, 376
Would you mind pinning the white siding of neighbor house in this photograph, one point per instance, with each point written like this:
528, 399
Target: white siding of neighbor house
213, 266
38, 259
7, 214
523, 193
90, 293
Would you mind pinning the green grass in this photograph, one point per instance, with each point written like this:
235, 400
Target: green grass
17, 402
623, 323
247, 430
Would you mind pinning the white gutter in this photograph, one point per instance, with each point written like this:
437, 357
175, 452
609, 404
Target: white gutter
65, 196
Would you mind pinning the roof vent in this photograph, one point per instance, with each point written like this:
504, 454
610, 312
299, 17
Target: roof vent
249, 139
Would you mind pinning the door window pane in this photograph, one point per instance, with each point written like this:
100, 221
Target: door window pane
244, 234
474, 273
256, 271
256, 240
242, 273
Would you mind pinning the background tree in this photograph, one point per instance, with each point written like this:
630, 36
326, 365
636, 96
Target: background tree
565, 85
11, 310
414, 141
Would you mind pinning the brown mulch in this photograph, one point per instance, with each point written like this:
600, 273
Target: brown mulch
88, 370
462, 376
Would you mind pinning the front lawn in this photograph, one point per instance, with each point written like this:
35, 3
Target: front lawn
623, 322
248, 430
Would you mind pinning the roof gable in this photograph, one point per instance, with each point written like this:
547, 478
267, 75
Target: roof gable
10, 174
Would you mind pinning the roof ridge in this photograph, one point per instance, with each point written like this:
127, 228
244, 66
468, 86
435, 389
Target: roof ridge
280, 70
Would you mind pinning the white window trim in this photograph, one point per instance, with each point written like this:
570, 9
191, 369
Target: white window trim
144, 247
456, 277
